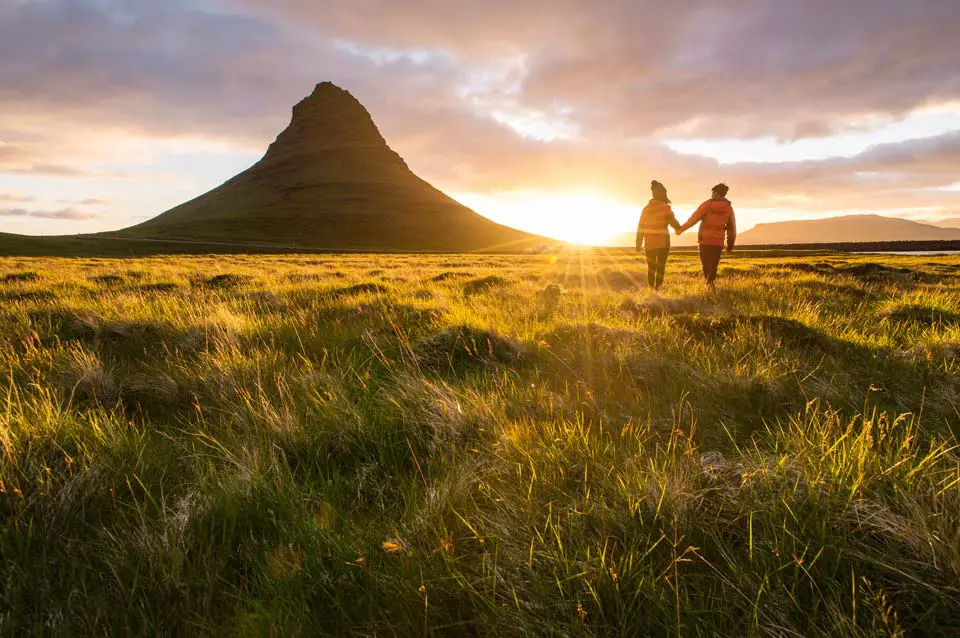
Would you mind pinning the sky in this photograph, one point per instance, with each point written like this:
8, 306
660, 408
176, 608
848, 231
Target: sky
548, 115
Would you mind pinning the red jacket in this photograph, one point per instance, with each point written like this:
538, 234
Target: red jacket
717, 219
652, 229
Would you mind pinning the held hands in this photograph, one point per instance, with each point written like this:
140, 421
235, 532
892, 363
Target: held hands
678, 231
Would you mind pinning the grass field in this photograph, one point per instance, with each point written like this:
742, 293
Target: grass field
479, 445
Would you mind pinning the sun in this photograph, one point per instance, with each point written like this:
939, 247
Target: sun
581, 216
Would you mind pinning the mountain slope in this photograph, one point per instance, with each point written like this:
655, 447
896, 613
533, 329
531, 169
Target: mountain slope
846, 229
952, 222
330, 181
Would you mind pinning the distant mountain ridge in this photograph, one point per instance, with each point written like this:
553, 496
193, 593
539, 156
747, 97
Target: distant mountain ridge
845, 229
331, 181
951, 222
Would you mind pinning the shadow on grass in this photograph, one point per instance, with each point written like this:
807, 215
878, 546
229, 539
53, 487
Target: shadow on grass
107, 280
921, 315
461, 349
609, 279
450, 274
20, 277
163, 286
625, 378
123, 341
484, 284
27, 295
656, 306
741, 273
621, 280
833, 290
225, 281
868, 272
368, 288
790, 332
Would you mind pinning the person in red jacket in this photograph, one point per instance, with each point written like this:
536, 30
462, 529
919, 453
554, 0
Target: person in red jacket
652, 231
716, 219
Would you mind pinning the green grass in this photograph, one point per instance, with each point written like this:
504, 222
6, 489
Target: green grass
479, 445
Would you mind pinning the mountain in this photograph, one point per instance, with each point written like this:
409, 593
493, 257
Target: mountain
846, 229
952, 222
330, 181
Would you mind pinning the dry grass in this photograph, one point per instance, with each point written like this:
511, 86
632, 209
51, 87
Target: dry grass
479, 445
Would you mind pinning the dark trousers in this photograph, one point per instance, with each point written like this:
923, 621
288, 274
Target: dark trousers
656, 265
710, 260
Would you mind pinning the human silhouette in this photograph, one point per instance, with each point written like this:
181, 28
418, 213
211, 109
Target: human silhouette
716, 219
652, 233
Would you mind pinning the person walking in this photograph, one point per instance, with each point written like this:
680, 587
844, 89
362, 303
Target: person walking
716, 219
653, 236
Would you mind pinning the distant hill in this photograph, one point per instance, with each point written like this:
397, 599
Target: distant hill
952, 222
846, 229
330, 181
849, 229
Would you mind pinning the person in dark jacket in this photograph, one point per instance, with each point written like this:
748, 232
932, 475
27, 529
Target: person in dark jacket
717, 221
652, 233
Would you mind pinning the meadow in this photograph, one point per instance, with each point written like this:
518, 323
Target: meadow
479, 445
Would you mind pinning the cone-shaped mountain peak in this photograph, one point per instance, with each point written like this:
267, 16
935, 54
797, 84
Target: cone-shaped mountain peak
330, 181
329, 118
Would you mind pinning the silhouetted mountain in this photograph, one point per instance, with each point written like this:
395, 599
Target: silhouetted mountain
330, 181
846, 229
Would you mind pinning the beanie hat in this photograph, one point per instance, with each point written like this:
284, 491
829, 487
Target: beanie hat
659, 191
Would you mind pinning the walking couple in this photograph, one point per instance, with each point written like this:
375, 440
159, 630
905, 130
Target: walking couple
716, 219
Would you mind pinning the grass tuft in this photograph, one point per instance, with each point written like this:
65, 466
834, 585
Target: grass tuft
922, 315
360, 289
463, 347
20, 277
483, 284
226, 281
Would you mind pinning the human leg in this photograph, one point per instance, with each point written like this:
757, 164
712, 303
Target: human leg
662, 266
652, 255
710, 260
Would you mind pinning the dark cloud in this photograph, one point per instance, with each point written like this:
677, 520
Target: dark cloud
167, 68
937, 157
738, 67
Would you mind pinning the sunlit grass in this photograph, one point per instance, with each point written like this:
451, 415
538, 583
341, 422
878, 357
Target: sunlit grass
485, 445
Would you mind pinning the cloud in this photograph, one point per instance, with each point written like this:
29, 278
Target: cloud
169, 68
15, 160
937, 156
67, 214
453, 84
16, 198
628, 73
627, 68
